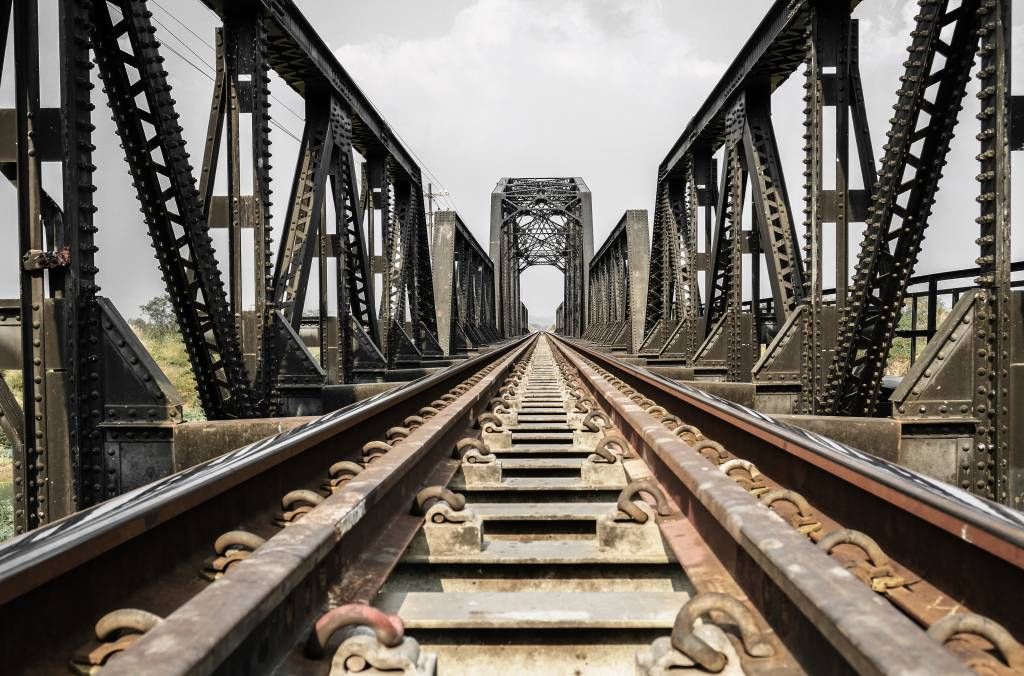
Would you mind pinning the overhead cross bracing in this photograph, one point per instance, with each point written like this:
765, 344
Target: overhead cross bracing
541, 221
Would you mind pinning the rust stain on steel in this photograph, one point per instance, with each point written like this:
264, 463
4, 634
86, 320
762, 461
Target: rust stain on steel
871, 635
200, 634
994, 536
707, 574
36, 558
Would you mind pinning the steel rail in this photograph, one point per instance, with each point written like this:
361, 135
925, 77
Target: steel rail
147, 545
271, 596
824, 615
911, 516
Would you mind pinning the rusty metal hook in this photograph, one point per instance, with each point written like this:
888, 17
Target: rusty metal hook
979, 625
388, 629
800, 502
474, 451
123, 620
648, 486
483, 419
685, 641
739, 463
688, 433
242, 539
848, 536
413, 421
714, 447
602, 455
396, 434
670, 421
657, 412
374, 449
612, 440
426, 497
590, 422
302, 495
344, 467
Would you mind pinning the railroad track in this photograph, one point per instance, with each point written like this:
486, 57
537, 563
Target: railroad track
540, 509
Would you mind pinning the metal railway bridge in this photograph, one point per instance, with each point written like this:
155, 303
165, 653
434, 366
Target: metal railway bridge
406, 479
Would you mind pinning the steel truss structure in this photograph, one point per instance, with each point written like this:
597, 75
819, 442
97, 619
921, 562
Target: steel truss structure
811, 350
100, 416
618, 284
463, 286
541, 221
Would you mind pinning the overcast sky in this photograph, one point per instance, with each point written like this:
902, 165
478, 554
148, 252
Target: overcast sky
481, 89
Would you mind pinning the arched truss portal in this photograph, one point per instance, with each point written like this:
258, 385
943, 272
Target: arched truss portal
541, 221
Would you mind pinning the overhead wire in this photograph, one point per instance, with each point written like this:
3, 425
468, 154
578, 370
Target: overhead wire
213, 68
445, 195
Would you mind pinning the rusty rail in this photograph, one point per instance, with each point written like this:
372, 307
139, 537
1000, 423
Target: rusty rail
144, 547
933, 533
792, 536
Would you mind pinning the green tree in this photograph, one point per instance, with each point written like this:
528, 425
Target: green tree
158, 316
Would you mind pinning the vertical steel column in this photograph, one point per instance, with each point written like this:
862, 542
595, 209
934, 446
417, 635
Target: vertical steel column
811, 374
344, 208
214, 126
249, 94
690, 310
31, 472
82, 338
837, 18
922, 128
736, 342
996, 450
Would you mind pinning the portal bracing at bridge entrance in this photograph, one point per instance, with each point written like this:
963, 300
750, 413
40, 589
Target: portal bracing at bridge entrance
541, 221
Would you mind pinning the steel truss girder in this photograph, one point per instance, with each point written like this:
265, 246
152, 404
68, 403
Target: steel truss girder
173, 214
617, 285
463, 286
541, 221
777, 234
300, 235
723, 278
407, 284
774, 50
299, 55
901, 203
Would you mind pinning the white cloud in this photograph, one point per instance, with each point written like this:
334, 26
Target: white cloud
526, 87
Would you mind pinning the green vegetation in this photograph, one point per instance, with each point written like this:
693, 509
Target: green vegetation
168, 351
6, 492
158, 331
899, 355
14, 381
